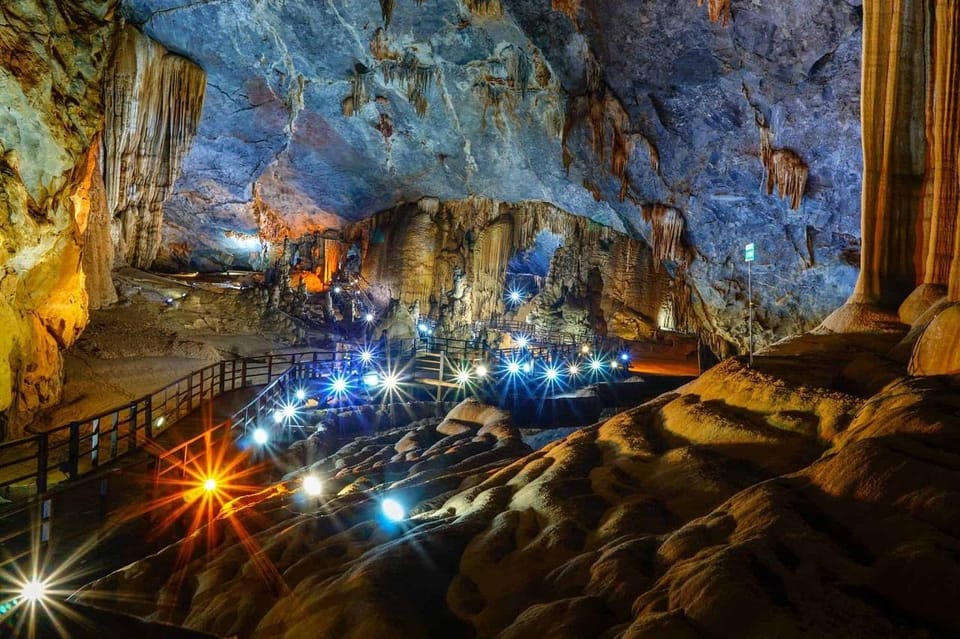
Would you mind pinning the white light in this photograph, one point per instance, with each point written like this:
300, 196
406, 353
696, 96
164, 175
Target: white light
368, 317
585, 349
312, 485
33, 591
463, 377
339, 385
278, 416
513, 368
210, 484
301, 394
393, 509
527, 367
366, 356
515, 297
595, 364
390, 381
422, 328
614, 365
482, 371
371, 379
337, 290
522, 341
552, 373
574, 370
289, 411
260, 436
160, 421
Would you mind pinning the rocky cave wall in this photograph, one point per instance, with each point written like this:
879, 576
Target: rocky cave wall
56, 224
49, 177
747, 124
598, 278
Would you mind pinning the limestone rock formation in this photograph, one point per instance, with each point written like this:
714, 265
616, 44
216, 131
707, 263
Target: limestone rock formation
324, 114
153, 101
771, 501
50, 90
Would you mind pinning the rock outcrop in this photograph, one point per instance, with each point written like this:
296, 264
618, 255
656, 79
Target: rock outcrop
52, 56
771, 501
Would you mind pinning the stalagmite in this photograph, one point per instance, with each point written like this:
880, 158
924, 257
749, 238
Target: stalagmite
719, 10
153, 101
97, 255
667, 241
895, 56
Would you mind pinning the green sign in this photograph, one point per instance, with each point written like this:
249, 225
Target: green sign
749, 253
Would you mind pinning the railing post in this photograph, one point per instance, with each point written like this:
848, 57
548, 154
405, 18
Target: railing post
132, 442
223, 375
73, 454
46, 517
148, 427
189, 392
269, 369
243, 374
43, 453
95, 443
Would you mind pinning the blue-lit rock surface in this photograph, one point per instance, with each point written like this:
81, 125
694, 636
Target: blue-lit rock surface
277, 152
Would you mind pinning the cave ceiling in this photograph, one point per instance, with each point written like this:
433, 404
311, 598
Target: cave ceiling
312, 119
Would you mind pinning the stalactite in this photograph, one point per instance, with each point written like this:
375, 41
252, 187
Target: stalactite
153, 101
668, 226
359, 90
788, 173
485, 8
411, 76
380, 46
609, 125
719, 10
570, 8
785, 170
386, 11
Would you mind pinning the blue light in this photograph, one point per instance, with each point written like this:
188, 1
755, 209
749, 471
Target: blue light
423, 328
301, 394
625, 357
527, 367
393, 509
513, 368
366, 355
260, 437
340, 385
371, 380
552, 373
522, 341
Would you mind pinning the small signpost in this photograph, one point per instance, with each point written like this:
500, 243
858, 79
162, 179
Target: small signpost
749, 255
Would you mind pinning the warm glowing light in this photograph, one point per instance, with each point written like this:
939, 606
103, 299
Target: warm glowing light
161, 421
574, 370
482, 371
614, 365
371, 380
33, 591
301, 394
585, 349
393, 509
210, 484
312, 485
260, 436
366, 356
390, 381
